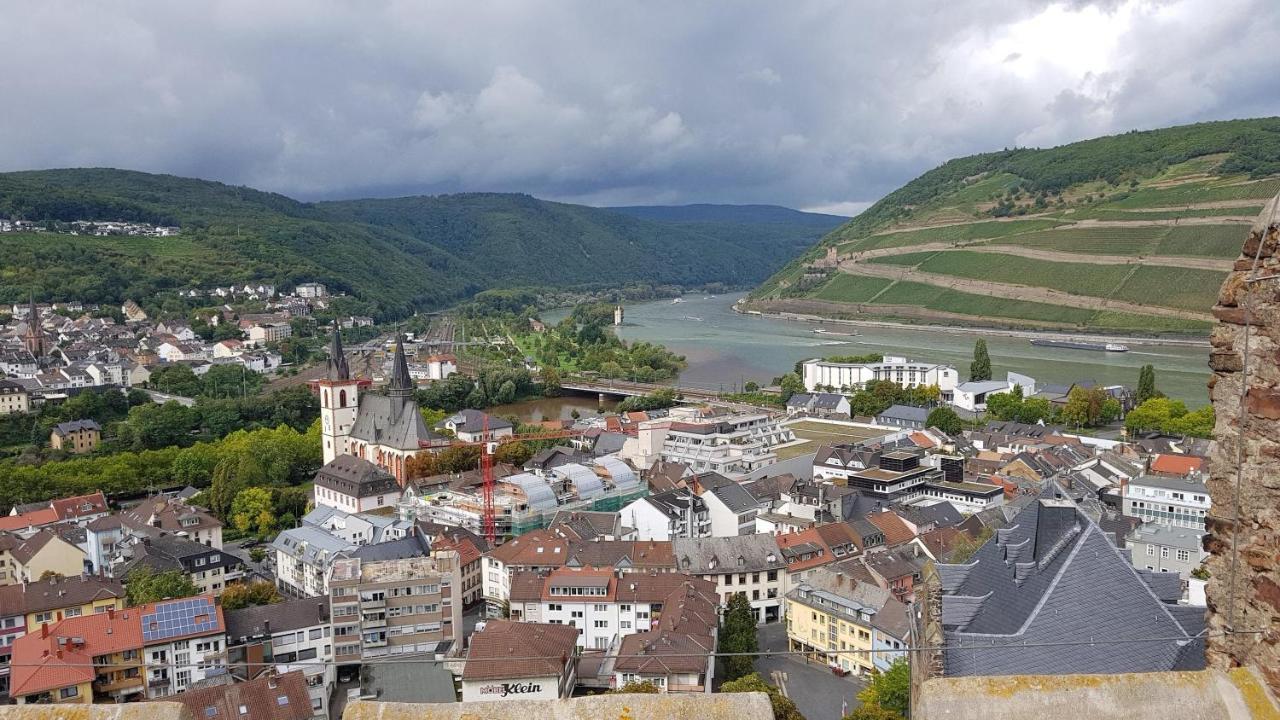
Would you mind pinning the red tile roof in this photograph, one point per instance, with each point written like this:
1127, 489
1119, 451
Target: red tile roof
895, 529
35, 518
921, 440
810, 536
1176, 464
48, 659
270, 697
76, 507
504, 650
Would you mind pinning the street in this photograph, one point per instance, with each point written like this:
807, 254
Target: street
817, 693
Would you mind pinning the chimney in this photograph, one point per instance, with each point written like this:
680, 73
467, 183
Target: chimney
111, 613
1055, 518
44, 630
839, 579
266, 625
59, 653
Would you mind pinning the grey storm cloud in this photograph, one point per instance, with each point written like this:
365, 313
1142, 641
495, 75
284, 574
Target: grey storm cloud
817, 103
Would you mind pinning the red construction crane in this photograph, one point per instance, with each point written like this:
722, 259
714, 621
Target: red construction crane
488, 447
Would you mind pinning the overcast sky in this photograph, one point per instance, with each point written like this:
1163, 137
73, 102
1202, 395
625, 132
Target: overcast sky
802, 103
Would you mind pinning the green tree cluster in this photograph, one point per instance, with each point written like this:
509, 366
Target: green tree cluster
784, 708
143, 585
887, 695
1163, 415
980, 368
738, 635
1012, 406
656, 400
1147, 383
945, 419
237, 596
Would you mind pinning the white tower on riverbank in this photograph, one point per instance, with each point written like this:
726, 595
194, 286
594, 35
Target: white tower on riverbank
617, 314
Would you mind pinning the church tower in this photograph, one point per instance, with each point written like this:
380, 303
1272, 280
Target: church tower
401, 388
33, 341
339, 401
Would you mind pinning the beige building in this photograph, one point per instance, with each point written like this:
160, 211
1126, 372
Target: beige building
408, 606
175, 515
77, 436
14, 398
45, 552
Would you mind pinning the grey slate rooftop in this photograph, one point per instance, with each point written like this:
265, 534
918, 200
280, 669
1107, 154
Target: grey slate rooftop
1052, 575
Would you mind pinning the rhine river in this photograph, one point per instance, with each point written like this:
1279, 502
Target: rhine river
725, 349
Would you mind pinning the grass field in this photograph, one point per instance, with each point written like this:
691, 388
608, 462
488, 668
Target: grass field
1219, 241
1131, 241
843, 287
1075, 278
820, 433
983, 306
951, 233
1108, 213
1173, 287
1212, 191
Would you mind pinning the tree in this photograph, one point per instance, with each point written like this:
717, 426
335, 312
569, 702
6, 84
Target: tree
738, 635
550, 381
253, 509
235, 472
143, 585
980, 368
1111, 410
751, 386
1077, 411
639, 688
1146, 383
513, 453
257, 554
791, 384
945, 419
890, 690
783, 707
242, 595
872, 712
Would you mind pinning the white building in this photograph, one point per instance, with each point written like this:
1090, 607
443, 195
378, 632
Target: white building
440, 367
605, 605
670, 514
294, 635
1175, 501
732, 510
752, 565
731, 444
183, 643
311, 290
355, 485
849, 377
304, 556
358, 529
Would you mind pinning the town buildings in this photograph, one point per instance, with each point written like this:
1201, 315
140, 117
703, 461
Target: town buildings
751, 565
176, 516
208, 567
270, 697
520, 661
844, 622
1166, 549
819, 374
291, 637
475, 426
14, 398
183, 643
81, 660
78, 436
353, 485
1167, 500
396, 607
731, 444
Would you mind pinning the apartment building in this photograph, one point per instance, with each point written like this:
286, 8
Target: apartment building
750, 565
43, 553
669, 514
81, 660
14, 398
1167, 500
184, 642
850, 377
208, 567
304, 556
731, 444
520, 661
354, 485
839, 621
606, 605
1166, 549
395, 607
292, 636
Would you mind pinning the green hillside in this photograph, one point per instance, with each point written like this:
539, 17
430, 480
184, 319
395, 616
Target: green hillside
1127, 233
403, 254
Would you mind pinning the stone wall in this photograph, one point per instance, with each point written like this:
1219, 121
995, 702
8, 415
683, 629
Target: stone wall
730, 706
1255, 538
127, 711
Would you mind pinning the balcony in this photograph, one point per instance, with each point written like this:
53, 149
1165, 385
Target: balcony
375, 642
121, 686
373, 602
375, 621
676, 687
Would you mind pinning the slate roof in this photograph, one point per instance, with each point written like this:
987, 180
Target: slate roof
905, 412
310, 544
736, 498
67, 428
357, 477
29, 548
169, 514
406, 547
472, 421
57, 593
391, 421
719, 555
284, 616
1052, 575
1180, 484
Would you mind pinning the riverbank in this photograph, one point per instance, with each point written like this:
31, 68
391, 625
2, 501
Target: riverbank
1165, 340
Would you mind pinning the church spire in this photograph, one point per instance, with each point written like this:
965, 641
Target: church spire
401, 383
338, 368
34, 340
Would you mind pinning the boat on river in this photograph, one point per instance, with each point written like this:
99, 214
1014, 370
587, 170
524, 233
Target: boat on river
1081, 345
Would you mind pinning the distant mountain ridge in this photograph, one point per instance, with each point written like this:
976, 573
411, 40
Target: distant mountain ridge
403, 254
703, 212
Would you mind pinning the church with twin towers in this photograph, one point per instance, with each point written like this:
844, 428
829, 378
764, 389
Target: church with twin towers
385, 430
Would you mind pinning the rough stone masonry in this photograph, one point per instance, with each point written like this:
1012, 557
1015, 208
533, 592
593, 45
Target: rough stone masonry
1249, 302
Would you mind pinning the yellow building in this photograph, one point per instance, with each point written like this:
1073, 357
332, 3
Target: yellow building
839, 622
14, 398
77, 436
56, 599
45, 553
87, 659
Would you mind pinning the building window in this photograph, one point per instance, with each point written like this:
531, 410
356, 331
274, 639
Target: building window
1164, 553
1184, 555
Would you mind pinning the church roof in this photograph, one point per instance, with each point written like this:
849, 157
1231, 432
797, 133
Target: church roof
338, 369
392, 422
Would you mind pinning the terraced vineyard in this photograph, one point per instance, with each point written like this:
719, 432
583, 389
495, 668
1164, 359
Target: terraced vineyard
1127, 234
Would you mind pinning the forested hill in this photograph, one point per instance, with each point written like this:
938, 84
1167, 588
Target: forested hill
1126, 233
403, 254
764, 214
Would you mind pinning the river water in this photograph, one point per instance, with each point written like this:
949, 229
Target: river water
725, 349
